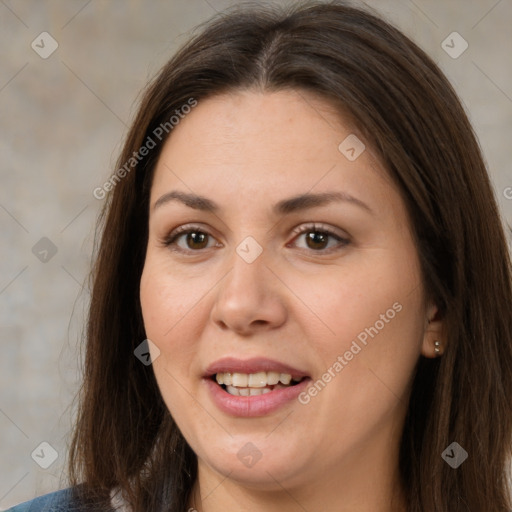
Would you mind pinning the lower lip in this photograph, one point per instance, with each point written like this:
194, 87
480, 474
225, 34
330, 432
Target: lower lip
251, 406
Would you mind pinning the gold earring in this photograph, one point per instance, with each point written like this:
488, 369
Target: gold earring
437, 348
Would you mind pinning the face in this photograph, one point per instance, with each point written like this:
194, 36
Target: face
328, 293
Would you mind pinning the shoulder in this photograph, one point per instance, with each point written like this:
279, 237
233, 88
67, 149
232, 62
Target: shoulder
54, 501
64, 500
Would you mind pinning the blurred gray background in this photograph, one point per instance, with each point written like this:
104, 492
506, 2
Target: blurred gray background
63, 117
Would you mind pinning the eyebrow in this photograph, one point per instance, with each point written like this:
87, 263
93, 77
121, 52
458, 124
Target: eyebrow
283, 207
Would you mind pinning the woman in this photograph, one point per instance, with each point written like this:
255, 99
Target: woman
301, 298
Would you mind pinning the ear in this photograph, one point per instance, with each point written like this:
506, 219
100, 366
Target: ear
434, 343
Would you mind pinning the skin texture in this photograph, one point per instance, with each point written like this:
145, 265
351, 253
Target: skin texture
299, 303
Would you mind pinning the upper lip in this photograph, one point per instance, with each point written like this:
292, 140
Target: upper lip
253, 365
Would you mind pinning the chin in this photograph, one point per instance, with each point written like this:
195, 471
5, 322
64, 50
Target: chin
251, 468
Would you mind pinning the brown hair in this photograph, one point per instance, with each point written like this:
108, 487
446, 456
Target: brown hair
412, 119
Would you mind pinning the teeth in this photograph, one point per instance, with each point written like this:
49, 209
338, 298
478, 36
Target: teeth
254, 380
285, 378
272, 378
232, 391
257, 380
240, 380
261, 391
250, 391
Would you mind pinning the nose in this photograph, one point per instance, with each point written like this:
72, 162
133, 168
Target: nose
250, 298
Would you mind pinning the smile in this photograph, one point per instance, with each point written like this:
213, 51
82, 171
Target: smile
254, 384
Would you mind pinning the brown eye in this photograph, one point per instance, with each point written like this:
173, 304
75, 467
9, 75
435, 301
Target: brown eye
317, 239
195, 239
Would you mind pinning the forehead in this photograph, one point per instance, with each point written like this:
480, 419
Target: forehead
266, 144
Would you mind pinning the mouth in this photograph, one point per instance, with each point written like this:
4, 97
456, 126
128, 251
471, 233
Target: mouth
255, 384
253, 387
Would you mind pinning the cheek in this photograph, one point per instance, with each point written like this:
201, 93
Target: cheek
168, 301
365, 369
379, 298
164, 309
369, 363
368, 328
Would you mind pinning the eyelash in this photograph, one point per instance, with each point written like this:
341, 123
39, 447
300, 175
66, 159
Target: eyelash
170, 240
